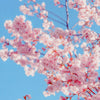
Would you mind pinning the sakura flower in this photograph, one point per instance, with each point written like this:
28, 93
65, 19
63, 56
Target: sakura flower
2, 39
46, 94
8, 25
4, 54
65, 90
62, 98
71, 4
29, 96
48, 64
36, 7
96, 97
46, 25
23, 61
74, 89
83, 45
68, 49
58, 33
51, 89
34, 0
97, 18
20, 26
24, 9
97, 3
43, 4
81, 23
89, 35
29, 71
45, 38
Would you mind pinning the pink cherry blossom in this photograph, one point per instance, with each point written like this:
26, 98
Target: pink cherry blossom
62, 98
58, 33
97, 3
4, 54
25, 10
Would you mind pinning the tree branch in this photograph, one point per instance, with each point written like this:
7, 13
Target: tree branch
67, 22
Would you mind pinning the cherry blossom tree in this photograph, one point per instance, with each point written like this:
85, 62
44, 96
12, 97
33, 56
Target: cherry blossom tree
65, 69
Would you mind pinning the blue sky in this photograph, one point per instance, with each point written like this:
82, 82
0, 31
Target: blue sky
14, 83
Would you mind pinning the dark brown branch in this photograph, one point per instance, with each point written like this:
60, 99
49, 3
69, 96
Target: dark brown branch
67, 22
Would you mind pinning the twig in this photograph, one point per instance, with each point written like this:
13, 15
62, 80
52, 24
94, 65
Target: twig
74, 25
56, 15
56, 21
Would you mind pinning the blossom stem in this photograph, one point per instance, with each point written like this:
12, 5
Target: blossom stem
91, 90
89, 93
96, 89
